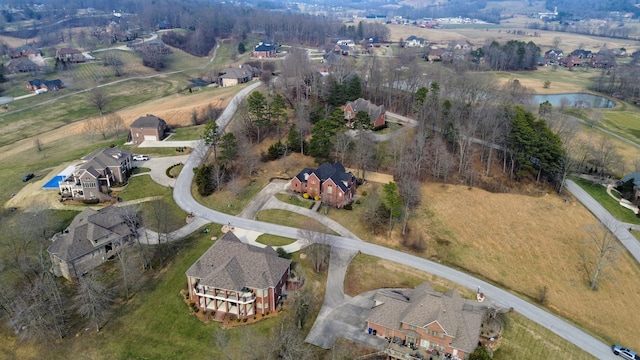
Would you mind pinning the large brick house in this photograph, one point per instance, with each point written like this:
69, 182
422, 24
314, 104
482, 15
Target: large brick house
92, 237
69, 55
239, 75
48, 85
265, 49
428, 319
376, 113
99, 171
238, 279
148, 127
335, 186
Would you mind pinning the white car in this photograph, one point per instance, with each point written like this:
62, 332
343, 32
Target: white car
140, 157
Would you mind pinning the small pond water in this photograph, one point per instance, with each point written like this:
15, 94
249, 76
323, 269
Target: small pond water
574, 100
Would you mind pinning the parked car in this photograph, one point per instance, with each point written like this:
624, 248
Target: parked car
625, 353
140, 157
27, 177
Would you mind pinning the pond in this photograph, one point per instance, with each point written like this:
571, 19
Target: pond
574, 100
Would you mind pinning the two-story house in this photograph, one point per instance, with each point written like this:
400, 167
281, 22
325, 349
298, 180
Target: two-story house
414, 41
238, 279
428, 319
99, 171
69, 55
92, 237
265, 49
331, 182
376, 113
148, 127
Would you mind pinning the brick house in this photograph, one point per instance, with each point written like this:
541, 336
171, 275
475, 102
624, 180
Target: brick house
335, 186
265, 49
238, 279
99, 171
376, 113
91, 239
69, 55
148, 127
21, 65
427, 319
554, 54
27, 51
48, 85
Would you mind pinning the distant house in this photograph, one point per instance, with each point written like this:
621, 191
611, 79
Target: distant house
21, 65
238, 279
571, 61
148, 127
47, 85
349, 43
603, 61
265, 49
342, 50
239, 75
69, 55
376, 113
99, 171
435, 54
461, 45
554, 54
582, 54
373, 42
331, 182
92, 237
428, 319
28, 51
414, 41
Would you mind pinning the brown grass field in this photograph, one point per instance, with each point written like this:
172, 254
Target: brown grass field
477, 36
525, 243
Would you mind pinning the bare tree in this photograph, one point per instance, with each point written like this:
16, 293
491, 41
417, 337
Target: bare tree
114, 60
599, 253
604, 154
342, 146
92, 300
115, 124
38, 144
99, 99
317, 238
302, 304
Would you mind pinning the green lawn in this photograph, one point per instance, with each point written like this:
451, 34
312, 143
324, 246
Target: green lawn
274, 240
226, 202
287, 218
524, 339
188, 133
295, 200
599, 193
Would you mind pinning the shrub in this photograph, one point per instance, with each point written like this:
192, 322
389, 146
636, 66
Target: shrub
358, 202
305, 195
267, 313
238, 320
276, 151
244, 320
364, 193
348, 207
90, 201
317, 198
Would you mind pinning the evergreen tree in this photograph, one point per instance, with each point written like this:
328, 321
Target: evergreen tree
228, 147
212, 137
294, 141
241, 48
353, 88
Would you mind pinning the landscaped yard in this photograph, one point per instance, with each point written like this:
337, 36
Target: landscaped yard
274, 240
599, 193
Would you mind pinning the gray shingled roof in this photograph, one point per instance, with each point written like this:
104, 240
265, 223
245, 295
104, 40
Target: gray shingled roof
335, 172
149, 121
88, 230
422, 306
103, 158
367, 106
232, 265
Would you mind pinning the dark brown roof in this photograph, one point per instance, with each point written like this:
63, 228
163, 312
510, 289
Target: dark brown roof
149, 121
367, 106
232, 265
89, 230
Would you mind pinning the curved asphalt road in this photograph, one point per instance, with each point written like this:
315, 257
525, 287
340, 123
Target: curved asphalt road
184, 199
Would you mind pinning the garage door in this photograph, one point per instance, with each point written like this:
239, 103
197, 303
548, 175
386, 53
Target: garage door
150, 137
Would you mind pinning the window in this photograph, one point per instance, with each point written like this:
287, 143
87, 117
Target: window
434, 333
412, 327
330, 189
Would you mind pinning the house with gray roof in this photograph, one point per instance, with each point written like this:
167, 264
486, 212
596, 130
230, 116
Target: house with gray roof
331, 182
149, 127
99, 171
421, 317
238, 279
92, 237
234, 76
376, 113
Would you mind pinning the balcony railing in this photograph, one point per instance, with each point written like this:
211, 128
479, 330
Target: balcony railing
235, 297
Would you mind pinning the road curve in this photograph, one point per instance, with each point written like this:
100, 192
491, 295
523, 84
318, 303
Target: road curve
183, 197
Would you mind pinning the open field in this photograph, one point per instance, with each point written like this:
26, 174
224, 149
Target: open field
525, 243
522, 339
